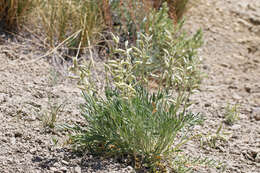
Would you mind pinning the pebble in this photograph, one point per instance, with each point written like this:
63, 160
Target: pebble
257, 117
207, 105
18, 134
129, 169
224, 65
53, 169
236, 127
13, 140
64, 169
33, 150
243, 116
257, 158
65, 162
236, 96
256, 114
29, 118
77, 169
56, 165
248, 89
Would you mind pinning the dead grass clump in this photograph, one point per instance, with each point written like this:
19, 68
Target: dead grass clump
61, 19
13, 13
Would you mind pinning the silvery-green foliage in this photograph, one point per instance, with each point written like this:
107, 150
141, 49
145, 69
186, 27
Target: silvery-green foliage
164, 54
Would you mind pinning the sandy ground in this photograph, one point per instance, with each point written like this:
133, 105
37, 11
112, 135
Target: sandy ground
30, 86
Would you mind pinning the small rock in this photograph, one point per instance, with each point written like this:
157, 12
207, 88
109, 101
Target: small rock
207, 105
248, 89
257, 117
254, 20
129, 169
236, 127
56, 164
18, 134
53, 169
9, 160
4, 140
37, 129
232, 87
257, 158
77, 169
65, 162
256, 113
224, 65
30, 118
33, 150
13, 140
243, 116
236, 96
37, 159
205, 67
64, 169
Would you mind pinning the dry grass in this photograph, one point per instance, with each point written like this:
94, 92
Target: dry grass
84, 22
13, 12
61, 19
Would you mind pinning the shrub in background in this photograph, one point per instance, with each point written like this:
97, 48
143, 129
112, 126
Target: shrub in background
80, 19
13, 12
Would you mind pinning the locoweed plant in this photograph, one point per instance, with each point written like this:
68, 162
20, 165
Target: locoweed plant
143, 127
130, 117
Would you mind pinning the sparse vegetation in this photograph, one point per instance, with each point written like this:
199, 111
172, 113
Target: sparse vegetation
50, 116
213, 139
231, 114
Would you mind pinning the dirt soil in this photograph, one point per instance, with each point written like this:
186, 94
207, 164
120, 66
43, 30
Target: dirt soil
30, 86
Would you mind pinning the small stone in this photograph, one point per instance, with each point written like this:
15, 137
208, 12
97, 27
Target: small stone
129, 169
13, 140
232, 87
236, 96
4, 140
56, 165
224, 65
248, 89
18, 134
257, 117
207, 105
9, 160
64, 169
65, 162
256, 114
205, 67
257, 158
33, 150
243, 116
30, 118
53, 169
236, 127
77, 169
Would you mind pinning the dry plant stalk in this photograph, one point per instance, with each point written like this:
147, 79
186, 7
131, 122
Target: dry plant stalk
107, 13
